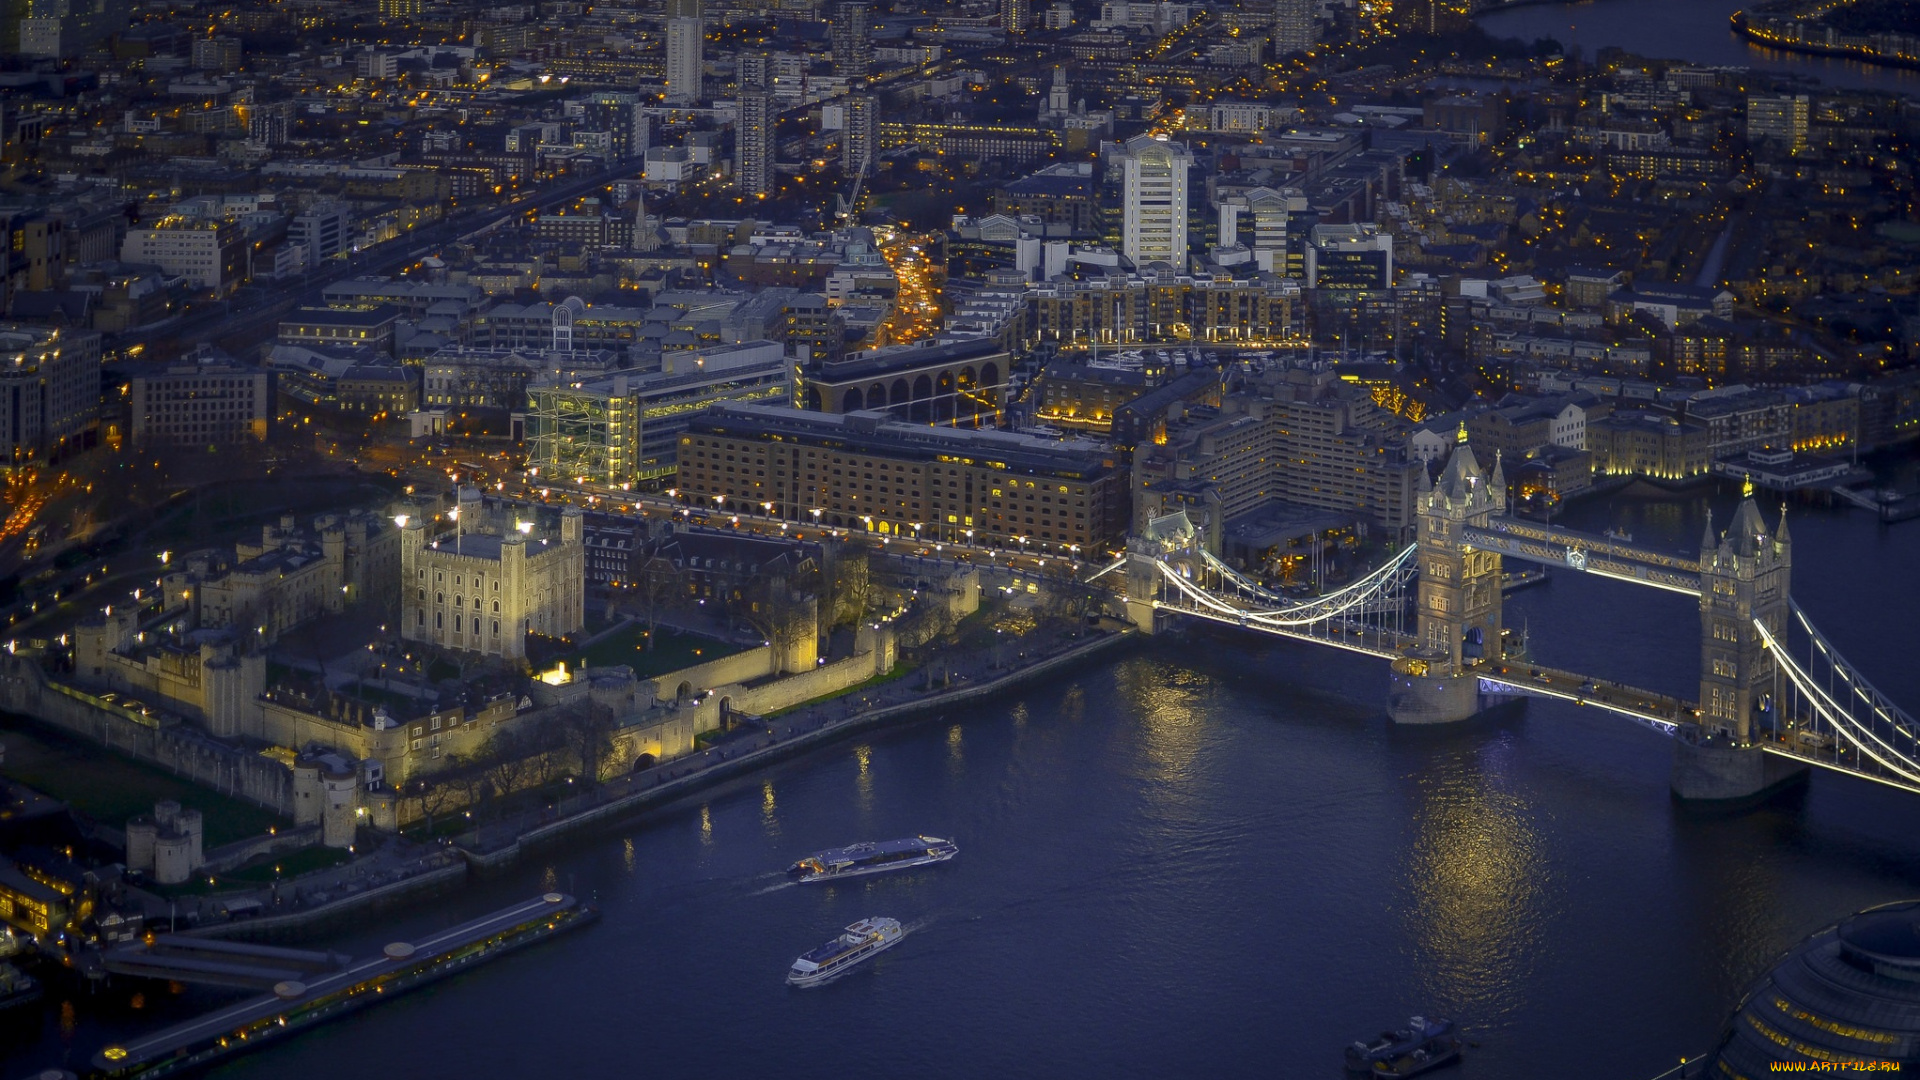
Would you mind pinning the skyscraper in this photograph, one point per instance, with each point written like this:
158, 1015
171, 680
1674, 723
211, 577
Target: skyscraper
862, 133
1294, 27
753, 140
1155, 225
686, 42
1016, 15
1781, 118
852, 54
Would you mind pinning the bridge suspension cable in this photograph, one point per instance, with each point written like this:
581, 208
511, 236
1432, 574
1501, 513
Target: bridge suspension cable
1820, 724
1390, 578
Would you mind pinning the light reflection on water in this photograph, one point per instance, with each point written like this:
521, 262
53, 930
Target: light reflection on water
862, 778
1480, 889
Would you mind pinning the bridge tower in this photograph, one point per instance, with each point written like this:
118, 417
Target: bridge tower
1744, 577
1459, 605
1171, 538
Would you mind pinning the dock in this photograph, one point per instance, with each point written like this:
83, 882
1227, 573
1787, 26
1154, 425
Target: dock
219, 963
295, 1005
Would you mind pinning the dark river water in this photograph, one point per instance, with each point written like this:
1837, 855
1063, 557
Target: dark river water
1696, 31
1206, 857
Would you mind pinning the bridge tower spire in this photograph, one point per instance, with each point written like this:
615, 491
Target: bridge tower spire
1459, 605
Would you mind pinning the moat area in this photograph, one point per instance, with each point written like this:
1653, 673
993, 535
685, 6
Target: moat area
1204, 856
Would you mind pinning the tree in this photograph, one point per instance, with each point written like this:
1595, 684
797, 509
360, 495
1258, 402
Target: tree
587, 731
508, 759
780, 611
657, 586
434, 795
850, 584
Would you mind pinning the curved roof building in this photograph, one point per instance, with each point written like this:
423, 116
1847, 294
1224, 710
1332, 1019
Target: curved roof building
1850, 993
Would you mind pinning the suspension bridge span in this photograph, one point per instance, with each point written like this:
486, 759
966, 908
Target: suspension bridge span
1775, 697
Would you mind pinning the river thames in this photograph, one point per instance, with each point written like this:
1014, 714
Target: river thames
1695, 31
1204, 857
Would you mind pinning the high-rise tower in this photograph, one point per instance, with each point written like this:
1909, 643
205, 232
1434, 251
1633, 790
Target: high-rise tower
753, 140
852, 52
1155, 224
686, 50
862, 134
1295, 29
1016, 15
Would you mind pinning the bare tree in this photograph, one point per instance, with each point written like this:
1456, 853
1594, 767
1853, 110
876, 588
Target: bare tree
587, 731
850, 584
780, 610
657, 586
508, 760
434, 795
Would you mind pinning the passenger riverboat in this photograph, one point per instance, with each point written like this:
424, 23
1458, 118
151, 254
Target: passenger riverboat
856, 860
862, 941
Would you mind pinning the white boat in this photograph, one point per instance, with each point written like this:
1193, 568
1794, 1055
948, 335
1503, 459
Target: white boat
862, 941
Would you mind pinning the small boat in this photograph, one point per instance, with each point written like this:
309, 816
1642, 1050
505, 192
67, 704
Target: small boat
873, 858
17, 988
862, 941
1388, 1045
1429, 1055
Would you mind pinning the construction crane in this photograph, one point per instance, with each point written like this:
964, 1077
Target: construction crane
847, 207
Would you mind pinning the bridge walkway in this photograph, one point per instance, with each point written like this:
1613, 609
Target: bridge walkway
1657, 710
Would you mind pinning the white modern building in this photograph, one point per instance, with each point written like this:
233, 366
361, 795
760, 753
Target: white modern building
1155, 223
211, 255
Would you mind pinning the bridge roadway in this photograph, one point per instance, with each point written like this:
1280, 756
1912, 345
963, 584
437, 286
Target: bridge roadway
1603, 555
1656, 710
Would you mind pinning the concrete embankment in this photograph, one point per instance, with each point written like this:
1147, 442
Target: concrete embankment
335, 913
493, 855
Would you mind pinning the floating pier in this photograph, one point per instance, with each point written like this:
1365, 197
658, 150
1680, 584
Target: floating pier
295, 1005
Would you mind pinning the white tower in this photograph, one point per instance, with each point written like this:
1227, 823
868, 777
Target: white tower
1155, 226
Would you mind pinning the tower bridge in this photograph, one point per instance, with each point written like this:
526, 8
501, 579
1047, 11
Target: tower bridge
1762, 716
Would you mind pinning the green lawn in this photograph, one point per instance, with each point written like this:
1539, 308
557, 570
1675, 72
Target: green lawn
110, 788
290, 864
671, 651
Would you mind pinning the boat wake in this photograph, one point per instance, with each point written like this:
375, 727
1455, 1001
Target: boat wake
775, 887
